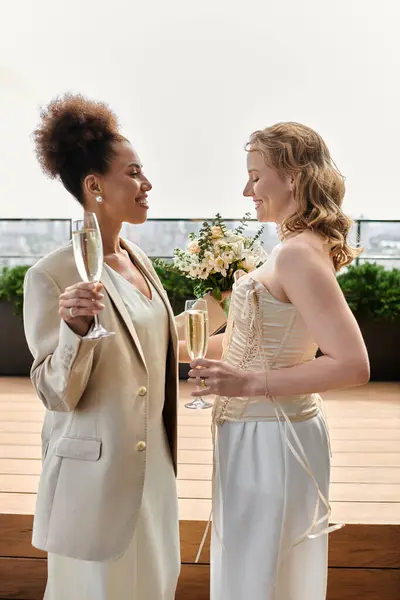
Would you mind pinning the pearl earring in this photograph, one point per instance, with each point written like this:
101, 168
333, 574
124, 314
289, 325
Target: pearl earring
99, 199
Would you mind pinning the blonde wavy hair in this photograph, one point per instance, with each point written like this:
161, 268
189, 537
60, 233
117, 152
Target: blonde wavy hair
299, 152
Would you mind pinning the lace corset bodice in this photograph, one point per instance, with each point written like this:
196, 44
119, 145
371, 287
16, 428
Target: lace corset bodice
265, 333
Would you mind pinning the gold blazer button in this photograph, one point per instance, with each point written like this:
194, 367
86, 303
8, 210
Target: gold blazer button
140, 446
142, 391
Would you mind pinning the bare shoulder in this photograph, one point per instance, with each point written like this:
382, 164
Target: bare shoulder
302, 250
304, 257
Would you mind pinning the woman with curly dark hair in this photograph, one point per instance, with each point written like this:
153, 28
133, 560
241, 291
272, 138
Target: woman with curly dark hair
272, 460
107, 509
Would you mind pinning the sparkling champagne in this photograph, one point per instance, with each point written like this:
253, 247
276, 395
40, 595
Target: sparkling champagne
88, 252
196, 333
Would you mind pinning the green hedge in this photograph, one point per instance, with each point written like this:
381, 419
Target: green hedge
177, 287
12, 286
371, 291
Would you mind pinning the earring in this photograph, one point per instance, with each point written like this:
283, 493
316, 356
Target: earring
99, 199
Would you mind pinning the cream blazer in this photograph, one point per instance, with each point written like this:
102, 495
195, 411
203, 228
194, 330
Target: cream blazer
95, 428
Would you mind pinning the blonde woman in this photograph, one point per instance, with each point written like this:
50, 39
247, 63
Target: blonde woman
272, 456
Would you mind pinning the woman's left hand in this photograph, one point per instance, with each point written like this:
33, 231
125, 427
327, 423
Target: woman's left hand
219, 378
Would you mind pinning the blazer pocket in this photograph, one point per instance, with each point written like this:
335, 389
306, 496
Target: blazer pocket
79, 448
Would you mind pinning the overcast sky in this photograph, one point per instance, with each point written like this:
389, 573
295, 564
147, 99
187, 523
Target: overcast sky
191, 80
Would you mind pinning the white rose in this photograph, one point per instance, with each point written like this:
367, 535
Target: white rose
217, 232
193, 247
234, 237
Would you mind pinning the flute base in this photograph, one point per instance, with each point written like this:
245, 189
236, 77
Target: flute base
98, 333
198, 404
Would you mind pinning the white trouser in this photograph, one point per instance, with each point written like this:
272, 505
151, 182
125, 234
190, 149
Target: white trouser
264, 501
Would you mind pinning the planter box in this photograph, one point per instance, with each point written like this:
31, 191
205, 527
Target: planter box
15, 357
178, 306
382, 339
184, 369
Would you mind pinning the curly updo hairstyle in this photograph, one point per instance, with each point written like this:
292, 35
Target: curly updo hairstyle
74, 138
299, 152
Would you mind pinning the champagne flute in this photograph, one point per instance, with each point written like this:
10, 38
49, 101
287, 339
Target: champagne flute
196, 334
88, 253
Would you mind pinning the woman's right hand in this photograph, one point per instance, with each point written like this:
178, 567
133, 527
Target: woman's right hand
79, 303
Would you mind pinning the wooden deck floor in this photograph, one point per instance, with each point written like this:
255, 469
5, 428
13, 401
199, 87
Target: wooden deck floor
365, 432
363, 560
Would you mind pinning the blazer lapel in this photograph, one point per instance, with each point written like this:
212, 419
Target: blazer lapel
163, 294
120, 306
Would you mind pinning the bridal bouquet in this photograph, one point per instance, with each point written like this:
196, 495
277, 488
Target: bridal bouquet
215, 253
